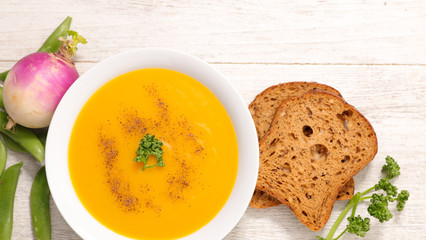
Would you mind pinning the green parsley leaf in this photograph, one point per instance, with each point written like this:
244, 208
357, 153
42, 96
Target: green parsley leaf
149, 146
379, 207
386, 186
402, 198
391, 168
358, 226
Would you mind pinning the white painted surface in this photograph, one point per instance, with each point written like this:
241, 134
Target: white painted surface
373, 52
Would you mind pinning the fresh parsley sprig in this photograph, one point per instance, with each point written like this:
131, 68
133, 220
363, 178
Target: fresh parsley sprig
379, 203
149, 145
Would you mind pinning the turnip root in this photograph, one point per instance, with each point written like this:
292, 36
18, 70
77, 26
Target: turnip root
36, 84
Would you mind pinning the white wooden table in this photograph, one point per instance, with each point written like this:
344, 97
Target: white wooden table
373, 52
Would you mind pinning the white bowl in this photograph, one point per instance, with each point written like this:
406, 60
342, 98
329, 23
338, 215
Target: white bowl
68, 109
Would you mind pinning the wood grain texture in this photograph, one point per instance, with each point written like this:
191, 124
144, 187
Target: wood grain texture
373, 52
351, 31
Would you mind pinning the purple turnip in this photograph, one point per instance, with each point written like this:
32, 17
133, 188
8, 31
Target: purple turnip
36, 84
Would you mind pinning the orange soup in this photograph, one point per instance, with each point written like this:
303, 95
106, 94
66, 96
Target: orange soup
200, 155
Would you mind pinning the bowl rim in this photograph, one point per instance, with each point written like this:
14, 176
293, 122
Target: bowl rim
67, 202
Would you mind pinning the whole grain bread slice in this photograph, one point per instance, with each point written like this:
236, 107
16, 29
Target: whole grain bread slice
316, 143
263, 109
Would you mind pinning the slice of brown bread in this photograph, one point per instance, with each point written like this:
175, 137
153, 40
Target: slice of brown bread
263, 109
316, 143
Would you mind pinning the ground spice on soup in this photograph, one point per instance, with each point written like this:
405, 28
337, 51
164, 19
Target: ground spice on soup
119, 188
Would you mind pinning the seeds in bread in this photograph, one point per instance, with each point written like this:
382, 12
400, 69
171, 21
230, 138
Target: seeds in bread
263, 109
316, 143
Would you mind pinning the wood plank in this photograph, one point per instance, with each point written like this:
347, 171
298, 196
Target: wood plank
339, 32
391, 97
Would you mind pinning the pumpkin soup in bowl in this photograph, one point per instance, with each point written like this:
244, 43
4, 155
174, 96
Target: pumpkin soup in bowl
152, 144
200, 155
